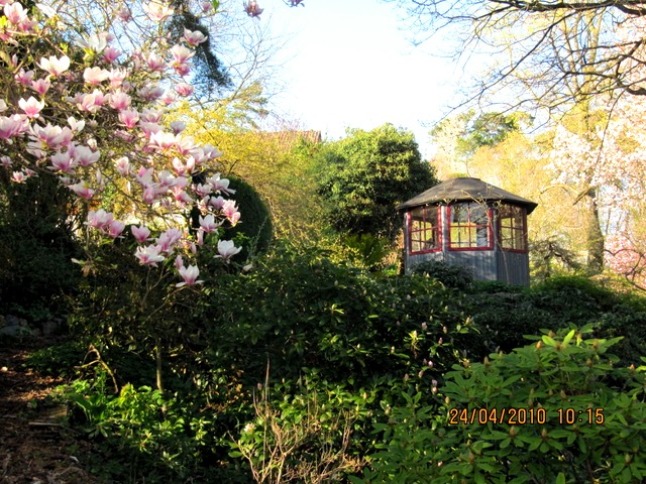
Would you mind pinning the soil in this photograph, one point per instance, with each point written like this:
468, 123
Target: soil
36, 444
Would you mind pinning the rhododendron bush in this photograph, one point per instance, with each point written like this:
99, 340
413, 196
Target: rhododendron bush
75, 106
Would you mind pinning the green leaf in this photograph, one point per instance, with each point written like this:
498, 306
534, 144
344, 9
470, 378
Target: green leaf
216, 5
560, 479
569, 337
548, 341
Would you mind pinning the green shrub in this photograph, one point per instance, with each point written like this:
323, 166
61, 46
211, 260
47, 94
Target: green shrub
570, 416
36, 248
450, 275
504, 315
300, 311
254, 232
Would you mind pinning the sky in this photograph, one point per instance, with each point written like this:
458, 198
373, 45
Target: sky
352, 64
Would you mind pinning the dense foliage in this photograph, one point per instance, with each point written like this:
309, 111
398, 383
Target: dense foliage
36, 248
554, 411
364, 176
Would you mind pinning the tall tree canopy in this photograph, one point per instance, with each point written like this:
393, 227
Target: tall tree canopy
365, 175
560, 51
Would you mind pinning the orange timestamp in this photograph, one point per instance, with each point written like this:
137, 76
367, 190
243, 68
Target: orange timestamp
525, 416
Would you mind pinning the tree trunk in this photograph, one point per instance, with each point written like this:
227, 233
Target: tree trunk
595, 239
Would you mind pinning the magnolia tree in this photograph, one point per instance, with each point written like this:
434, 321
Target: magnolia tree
82, 110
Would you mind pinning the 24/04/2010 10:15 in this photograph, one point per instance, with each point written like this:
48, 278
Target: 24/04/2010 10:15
524, 416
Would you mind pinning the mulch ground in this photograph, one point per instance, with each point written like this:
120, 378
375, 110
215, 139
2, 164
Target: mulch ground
36, 445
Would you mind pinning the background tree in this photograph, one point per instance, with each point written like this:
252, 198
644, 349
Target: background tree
365, 175
600, 44
520, 163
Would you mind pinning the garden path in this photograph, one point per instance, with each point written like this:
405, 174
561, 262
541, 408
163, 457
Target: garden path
35, 447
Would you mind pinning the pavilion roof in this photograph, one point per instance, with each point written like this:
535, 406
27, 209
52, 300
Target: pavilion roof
466, 189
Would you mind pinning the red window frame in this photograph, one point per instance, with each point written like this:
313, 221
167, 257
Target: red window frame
429, 229
512, 228
469, 230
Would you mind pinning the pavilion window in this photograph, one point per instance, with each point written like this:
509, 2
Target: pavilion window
424, 230
512, 228
470, 226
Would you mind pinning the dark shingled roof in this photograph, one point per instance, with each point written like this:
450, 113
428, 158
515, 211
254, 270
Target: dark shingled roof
462, 189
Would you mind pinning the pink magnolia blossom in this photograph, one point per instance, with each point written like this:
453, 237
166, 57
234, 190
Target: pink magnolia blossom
168, 98
184, 89
216, 202
122, 165
151, 92
151, 115
179, 262
157, 12
230, 211
194, 38
119, 146
129, 118
220, 185
149, 129
31, 107
116, 77
62, 162
25, 78
227, 249
208, 224
252, 9
177, 126
163, 140
190, 275
169, 239
124, 14
203, 190
9, 127
92, 102
15, 13
110, 54
180, 54
115, 229
99, 219
119, 100
41, 86
82, 190
155, 62
149, 255
140, 233
51, 136
95, 75
75, 124
95, 42
55, 66
84, 156
19, 177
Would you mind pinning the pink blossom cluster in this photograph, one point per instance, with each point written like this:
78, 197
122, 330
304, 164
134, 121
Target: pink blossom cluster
99, 123
627, 258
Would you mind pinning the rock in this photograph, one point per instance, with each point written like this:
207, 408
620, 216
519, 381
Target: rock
50, 327
11, 320
16, 331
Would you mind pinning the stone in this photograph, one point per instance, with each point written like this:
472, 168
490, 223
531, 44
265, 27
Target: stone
16, 331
